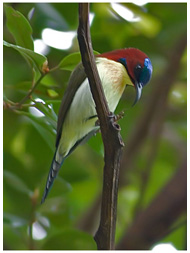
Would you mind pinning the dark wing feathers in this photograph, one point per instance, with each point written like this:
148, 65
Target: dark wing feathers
76, 79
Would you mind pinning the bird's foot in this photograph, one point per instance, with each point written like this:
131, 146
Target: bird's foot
117, 117
112, 116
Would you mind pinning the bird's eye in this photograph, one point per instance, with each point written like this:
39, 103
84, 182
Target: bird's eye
137, 71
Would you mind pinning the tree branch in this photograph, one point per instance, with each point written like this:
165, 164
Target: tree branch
113, 143
151, 120
155, 221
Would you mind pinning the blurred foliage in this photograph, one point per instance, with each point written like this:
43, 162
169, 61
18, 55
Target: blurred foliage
29, 129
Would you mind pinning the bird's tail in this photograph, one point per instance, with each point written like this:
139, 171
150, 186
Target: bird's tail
54, 169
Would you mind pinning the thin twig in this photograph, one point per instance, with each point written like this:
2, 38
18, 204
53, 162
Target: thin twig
31, 90
8, 104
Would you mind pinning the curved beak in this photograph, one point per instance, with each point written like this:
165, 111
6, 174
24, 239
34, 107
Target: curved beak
138, 87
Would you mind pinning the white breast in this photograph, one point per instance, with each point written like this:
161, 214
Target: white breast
113, 76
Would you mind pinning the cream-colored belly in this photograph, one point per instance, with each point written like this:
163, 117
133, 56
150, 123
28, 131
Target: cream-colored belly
78, 122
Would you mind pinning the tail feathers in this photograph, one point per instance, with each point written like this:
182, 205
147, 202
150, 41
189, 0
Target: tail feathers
55, 167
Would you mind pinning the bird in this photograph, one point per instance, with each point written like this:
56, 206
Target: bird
77, 117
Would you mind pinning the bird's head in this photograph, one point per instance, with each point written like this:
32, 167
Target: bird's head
137, 64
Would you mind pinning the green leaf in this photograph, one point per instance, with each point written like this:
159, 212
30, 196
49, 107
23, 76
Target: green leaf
19, 27
44, 126
48, 111
52, 93
70, 61
70, 239
38, 60
16, 182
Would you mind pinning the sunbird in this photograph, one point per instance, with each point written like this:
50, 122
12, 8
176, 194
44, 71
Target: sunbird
77, 118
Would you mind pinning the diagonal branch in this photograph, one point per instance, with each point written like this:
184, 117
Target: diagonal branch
156, 220
105, 235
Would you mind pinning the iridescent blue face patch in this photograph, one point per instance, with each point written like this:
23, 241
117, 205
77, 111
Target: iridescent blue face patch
142, 74
146, 72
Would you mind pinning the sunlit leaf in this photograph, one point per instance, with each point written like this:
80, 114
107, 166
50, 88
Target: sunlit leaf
48, 111
148, 24
52, 93
19, 27
31, 13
